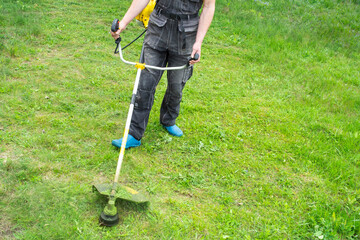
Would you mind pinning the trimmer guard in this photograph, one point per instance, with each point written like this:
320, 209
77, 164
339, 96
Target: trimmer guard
121, 192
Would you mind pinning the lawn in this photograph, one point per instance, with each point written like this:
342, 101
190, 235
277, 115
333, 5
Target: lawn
271, 121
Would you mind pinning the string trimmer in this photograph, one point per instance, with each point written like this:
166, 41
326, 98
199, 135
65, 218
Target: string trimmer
110, 216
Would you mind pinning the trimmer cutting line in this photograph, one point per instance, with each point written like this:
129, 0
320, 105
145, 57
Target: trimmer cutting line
110, 216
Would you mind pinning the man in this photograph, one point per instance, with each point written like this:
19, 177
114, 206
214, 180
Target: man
175, 33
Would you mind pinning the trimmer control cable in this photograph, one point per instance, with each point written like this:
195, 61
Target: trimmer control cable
114, 28
117, 41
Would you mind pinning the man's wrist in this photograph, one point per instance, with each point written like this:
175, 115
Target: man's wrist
122, 24
198, 42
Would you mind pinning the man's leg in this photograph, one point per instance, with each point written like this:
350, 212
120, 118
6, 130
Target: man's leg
144, 100
170, 106
179, 54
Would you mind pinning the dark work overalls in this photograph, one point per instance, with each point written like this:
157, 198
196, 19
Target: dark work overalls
168, 41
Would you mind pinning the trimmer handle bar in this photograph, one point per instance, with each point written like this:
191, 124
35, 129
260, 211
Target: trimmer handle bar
115, 27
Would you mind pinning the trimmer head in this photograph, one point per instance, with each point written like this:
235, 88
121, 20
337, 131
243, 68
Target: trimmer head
110, 217
108, 220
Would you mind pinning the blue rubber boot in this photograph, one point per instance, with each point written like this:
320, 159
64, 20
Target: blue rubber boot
174, 130
131, 142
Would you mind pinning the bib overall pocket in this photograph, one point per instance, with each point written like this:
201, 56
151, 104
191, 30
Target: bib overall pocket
188, 35
155, 30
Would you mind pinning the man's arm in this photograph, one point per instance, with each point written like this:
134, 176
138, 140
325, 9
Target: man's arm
206, 17
135, 8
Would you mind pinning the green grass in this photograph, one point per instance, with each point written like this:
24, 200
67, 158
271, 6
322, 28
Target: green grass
271, 123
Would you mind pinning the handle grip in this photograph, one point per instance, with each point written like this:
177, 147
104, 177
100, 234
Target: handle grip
196, 57
114, 28
115, 25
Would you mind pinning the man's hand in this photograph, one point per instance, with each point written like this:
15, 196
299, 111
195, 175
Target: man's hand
116, 34
196, 49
